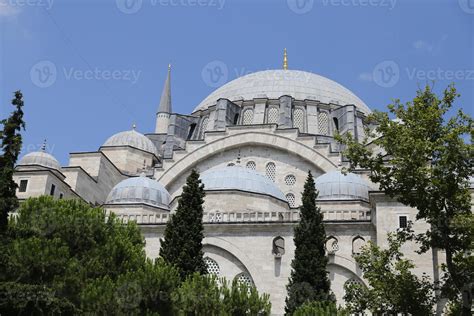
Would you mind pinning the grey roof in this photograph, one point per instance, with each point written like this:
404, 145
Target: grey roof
40, 158
336, 186
239, 178
165, 101
139, 190
273, 84
132, 138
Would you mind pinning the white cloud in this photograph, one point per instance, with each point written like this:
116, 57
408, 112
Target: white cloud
365, 76
7, 10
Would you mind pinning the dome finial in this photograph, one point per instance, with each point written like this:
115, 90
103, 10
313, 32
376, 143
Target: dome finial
285, 60
43, 147
134, 126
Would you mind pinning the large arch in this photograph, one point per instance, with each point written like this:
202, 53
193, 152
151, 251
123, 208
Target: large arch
244, 139
238, 254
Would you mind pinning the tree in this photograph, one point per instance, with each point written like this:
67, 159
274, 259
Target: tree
11, 145
54, 248
393, 288
426, 163
309, 278
182, 243
320, 309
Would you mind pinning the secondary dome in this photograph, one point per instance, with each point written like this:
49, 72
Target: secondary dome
132, 138
239, 178
336, 186
139, 190
273, 84
40, 158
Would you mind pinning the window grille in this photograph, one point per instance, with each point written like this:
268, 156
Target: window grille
290, 180
270, 171
298, 119
323, 123
212, 266
290, 197
251, 165
247, 117
272, 115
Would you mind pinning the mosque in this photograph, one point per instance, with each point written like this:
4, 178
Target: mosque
253, 140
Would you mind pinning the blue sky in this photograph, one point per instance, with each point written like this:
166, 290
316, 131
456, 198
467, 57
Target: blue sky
89, 69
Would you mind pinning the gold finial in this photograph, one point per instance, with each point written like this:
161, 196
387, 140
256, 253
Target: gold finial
285, 60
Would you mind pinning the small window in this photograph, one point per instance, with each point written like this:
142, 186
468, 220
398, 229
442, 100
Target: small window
270, 171
323, 123
244, 278
290, 180
61, 195
336, 123
402, 221
247, 117
251, 165
212, 266
272, 115
332, 245
53, 188
236, 119
23, 185
278, 248
192, 127
290, 197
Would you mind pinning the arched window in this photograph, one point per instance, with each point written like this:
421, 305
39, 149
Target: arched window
247, 117
212, 266
351, 283
251, 165
236, 118
278, 246
298, 119
270, 171
323, 123
272, 115
357, 244
290, 180
244, 278
290, 197
203, 128
332, 245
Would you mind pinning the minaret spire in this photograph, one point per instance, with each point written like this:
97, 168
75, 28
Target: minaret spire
285, 60
164, 108
165, 101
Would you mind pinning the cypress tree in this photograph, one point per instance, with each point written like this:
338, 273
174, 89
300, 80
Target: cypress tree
309, 278
11, 141
182, 243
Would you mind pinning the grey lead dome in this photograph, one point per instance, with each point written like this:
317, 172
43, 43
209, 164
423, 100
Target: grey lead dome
40, 158
139, 190
132, 138
239, 178
273, 84
336, 186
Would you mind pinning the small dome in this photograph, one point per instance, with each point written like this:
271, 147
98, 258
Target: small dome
40, 158
336, 186
239, 178
132, 138
139, 190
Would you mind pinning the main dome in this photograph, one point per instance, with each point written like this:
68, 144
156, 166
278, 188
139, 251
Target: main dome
273, 84
241, 179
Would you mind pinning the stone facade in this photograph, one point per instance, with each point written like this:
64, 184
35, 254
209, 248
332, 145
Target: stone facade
280, 134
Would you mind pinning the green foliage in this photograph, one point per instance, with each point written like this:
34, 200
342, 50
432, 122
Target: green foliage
309, 278
11, 141
426, 163
393, 288
60, 246
65, 257
207, 296
320, 309
182, 243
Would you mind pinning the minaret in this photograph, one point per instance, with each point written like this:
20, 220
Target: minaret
285, 60
164, 109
